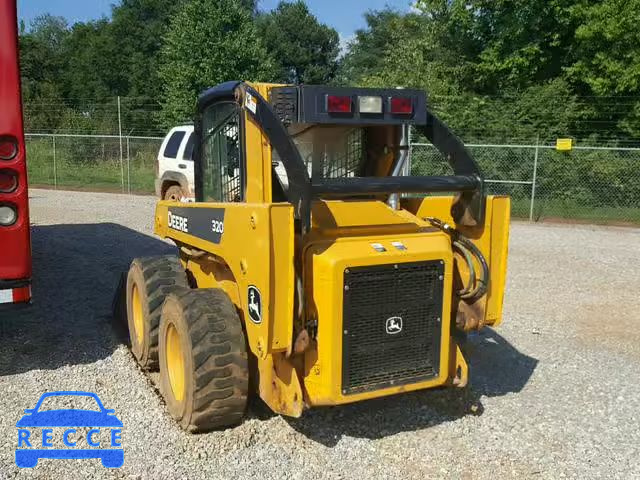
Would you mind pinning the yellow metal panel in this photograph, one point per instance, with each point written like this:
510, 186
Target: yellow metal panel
328, 215
325, 262
257, 246
458, 368
500, 219
214, 274
256, 161
279, 385
282, 274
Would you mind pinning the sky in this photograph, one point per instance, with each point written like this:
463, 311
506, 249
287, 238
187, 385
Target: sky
346, 16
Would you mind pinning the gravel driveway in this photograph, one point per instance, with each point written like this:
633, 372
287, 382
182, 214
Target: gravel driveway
555, 391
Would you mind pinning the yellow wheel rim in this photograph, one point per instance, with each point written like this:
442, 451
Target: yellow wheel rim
175, 362
138, 318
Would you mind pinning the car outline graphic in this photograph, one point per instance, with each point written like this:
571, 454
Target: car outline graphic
105, 418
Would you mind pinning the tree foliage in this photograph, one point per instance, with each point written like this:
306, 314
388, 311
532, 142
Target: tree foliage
208, 43
304, 50
502, 69
495, 69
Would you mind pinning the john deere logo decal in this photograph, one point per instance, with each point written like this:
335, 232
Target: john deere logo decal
255, 304
394, 325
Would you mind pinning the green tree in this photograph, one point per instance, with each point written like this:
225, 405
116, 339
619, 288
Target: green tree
91, 72
42, 58
208, 42
305, 51
137, 29
364, 55
514, 43
607, 45
41, 55
406, 51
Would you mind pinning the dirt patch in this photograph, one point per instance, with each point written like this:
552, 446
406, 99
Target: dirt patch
609, 325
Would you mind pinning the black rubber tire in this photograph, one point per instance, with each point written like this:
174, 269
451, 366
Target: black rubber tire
174, 193
155, 278
214, 353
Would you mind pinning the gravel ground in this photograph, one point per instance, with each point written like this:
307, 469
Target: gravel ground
555, 391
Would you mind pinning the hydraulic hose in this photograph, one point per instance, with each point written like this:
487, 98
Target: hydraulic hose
483, 282
472, 269
475, 288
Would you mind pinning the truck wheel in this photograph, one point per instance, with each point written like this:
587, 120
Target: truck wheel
174, 193
204, 374
149, 281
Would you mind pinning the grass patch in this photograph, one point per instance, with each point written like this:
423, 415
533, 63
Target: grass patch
547, 209
94, 167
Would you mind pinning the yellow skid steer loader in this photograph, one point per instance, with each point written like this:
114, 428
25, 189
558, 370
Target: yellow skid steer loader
313, 269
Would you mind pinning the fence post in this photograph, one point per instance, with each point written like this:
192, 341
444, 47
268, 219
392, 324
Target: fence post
407, 168
533, 182
120, 138
128, 167
55, 169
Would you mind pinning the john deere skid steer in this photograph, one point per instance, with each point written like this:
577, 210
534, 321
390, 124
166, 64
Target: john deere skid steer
313, 269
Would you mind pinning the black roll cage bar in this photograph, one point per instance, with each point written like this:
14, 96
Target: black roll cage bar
468, 208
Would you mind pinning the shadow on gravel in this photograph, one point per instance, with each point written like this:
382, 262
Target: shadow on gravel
497, 369
76, 272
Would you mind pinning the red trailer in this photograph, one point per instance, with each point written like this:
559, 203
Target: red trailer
15, 242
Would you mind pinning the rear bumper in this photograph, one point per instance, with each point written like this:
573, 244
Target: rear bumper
14, 292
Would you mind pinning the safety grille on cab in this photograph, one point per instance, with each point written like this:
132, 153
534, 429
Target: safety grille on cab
391, 325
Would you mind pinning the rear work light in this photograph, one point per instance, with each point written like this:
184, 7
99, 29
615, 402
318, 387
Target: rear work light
338, 104
8, 148
401, 106
370, 104
8, 181
8, 215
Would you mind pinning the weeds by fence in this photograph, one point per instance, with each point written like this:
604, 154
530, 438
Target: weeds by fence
592, 184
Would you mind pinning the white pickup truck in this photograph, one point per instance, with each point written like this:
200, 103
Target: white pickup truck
174, 169
175, 165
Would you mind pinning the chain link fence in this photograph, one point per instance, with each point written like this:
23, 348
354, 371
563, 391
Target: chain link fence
93, 162
591, 184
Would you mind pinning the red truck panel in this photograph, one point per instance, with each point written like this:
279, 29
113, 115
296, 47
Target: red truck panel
15, 243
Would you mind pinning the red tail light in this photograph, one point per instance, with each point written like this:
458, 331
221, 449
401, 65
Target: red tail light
8, 148
401, 106
338, 104
8, 181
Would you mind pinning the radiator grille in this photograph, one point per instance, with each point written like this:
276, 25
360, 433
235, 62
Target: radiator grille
378, 300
